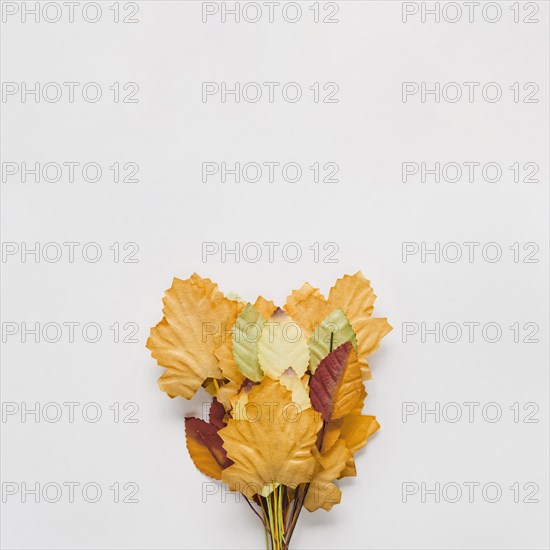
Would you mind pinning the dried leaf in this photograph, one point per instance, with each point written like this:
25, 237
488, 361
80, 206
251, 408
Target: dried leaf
282, 345
371, 333
331, 332
300, 395
196, 316
323, 492
307, 307
335, 388
272, 447
205, 445
356, 430
230, 372
265, 307
240, 401
246, 336
355, 296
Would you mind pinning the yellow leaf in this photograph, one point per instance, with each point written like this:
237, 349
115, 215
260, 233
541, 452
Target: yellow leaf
356, 430
196, 318
372, 332
282, 345
308, 307
265, 307
230, 371
240, 401
323, 492
273, 445
355, 296
203, 459
300, 395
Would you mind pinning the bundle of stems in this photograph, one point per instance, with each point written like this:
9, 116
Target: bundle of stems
280, 514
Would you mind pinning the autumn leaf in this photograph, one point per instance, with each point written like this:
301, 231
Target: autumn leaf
323, 492
246, 336
196, 316
300, 395
355, 296
371, 332
282, 345
330, 333
308, 307
356, 430
233, 377
240, 400
265, 307
274, 445
335, 388
205, 445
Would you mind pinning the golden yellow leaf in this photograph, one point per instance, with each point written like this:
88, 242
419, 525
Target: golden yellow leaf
308, 307
323, 492
273, 445
240, 400
230, 371
203, 459
298, 386
356, 430
196, 318
372, 332
355, 296
265, 307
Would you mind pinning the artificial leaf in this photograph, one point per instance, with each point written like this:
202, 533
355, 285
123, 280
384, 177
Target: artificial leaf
356, 430
205, 445
323, 492
234, 378
265, 307
331, 332
201, 456
216, 414
196, 315
307, 306
246, 336
274, 446
372, 332
355, 296
333, 429
282, 345
335, 388
240, 400
291, 381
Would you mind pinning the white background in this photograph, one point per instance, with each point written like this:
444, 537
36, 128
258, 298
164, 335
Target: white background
369, 213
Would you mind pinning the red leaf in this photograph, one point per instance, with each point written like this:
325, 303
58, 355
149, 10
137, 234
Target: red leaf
336, 385
216, 414
206, 434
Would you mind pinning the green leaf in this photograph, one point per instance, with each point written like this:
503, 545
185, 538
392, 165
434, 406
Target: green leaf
246, 335
335, 326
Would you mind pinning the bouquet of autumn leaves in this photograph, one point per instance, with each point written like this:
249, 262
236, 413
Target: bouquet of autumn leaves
287, 385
